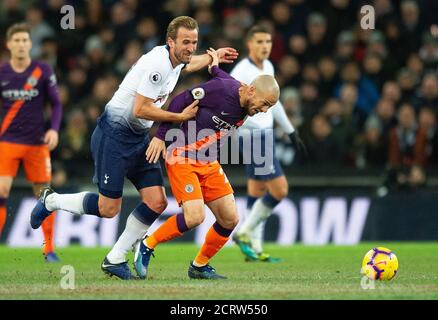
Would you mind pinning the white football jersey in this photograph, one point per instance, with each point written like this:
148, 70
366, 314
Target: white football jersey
153, 77
246, 71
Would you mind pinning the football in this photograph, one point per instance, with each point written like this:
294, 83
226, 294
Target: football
380, 264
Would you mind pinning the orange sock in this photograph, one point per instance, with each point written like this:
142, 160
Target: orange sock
167, 231
2, 218
48, 231
215, 239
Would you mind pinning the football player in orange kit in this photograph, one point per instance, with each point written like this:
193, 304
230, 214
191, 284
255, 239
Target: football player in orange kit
26, 86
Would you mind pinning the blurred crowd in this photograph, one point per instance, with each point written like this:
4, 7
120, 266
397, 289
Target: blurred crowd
359, 98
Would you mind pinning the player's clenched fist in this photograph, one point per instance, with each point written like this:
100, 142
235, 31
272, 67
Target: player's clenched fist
156, 147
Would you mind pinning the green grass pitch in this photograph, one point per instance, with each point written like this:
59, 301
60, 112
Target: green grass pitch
307, 272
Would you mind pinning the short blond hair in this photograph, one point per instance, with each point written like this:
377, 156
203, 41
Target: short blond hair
181, 21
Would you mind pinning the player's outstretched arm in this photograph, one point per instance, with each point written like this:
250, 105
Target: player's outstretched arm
225, 55
145, 109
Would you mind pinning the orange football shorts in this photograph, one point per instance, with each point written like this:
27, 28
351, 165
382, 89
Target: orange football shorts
190, 180
36, 161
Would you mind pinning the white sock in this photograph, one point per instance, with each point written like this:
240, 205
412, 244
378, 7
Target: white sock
257, 237
135, 230
72, 202
260, 212
197, 264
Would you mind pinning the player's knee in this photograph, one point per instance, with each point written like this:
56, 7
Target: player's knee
283, 192
109, 211
280, 193
198, 220
194, 219
231, 223
158, 206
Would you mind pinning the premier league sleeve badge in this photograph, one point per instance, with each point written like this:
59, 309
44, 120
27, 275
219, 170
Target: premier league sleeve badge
198, 93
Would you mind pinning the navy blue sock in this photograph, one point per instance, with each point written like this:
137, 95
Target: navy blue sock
250, 202
181, 223
144, 214
91, 204
2, 202
270, 201
224, 232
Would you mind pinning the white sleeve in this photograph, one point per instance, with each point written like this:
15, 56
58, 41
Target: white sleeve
152, 81
239, 73
281, 117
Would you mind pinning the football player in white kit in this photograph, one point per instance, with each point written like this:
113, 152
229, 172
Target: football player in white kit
121, 139
265, 191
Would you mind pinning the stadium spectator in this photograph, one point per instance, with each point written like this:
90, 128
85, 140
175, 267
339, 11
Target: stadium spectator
316, 34
407, 150
375, 140
395, 44
328, 71
373, 70
133, 51
343, 128
407, 80
289, 71
367, 93
345, 45
147, 33
427, 120
427, 95
429, 51
391, 91
348, 100
77, 84
122, 18
298, 47
73, 145
415, 64
40, 30
309, 99
411, 24
341, 15
322, 146
373, 148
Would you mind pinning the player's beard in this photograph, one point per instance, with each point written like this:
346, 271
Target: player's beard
182, 57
